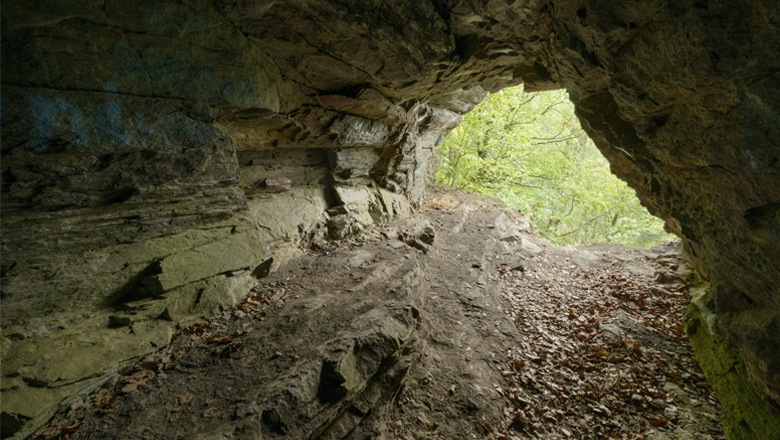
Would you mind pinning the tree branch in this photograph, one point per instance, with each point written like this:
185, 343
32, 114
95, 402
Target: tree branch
555, 141
583, 225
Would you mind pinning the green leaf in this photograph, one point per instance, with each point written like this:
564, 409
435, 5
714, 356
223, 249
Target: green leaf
529, 151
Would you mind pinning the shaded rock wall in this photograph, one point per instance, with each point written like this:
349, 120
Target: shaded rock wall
682, 98
155, 162
745, 416
158, 157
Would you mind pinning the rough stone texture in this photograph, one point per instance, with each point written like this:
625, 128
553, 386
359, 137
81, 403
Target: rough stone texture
684, 103
137, 135
370, 338
744, 415
323, 346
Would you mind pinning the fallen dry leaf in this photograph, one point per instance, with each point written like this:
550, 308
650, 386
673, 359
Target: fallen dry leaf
129, 388
609, 384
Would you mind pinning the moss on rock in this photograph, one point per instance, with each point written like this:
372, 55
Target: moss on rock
745, 415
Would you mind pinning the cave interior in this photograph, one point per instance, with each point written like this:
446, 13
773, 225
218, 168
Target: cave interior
159, 157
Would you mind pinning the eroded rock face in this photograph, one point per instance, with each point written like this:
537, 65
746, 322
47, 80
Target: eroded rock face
156, 158
693, 129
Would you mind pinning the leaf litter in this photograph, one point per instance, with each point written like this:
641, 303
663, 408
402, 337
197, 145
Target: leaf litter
600, 353
149, 371
603, 355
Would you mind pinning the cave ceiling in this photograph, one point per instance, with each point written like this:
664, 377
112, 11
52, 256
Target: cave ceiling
140, 136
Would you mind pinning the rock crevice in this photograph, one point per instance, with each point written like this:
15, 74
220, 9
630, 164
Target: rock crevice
217, 139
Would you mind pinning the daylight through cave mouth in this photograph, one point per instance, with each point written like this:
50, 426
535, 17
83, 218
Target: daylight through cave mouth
603, 351
215, 142
529, 151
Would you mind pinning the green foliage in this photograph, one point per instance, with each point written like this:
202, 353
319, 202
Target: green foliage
529, 151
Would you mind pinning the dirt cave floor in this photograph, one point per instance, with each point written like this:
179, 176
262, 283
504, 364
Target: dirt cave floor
458, 323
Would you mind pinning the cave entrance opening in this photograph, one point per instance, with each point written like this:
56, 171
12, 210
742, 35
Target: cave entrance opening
602, 350
529, 151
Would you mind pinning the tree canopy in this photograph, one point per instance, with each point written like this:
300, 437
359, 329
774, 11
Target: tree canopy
529, 151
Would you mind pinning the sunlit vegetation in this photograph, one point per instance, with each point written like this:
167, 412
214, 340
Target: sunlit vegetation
529, 151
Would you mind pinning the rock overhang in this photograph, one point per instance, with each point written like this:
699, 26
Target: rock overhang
135, 134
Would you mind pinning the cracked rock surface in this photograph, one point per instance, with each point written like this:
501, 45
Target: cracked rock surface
371, 338
139, 134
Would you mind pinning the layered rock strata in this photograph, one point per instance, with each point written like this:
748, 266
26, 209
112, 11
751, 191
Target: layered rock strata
158, 157
322, 347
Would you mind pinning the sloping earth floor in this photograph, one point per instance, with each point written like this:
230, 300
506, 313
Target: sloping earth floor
459, 323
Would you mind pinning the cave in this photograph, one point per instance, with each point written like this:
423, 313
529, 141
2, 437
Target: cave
160, 157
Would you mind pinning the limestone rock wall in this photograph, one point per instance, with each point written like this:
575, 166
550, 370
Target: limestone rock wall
155, 162
682, 98
158, 157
